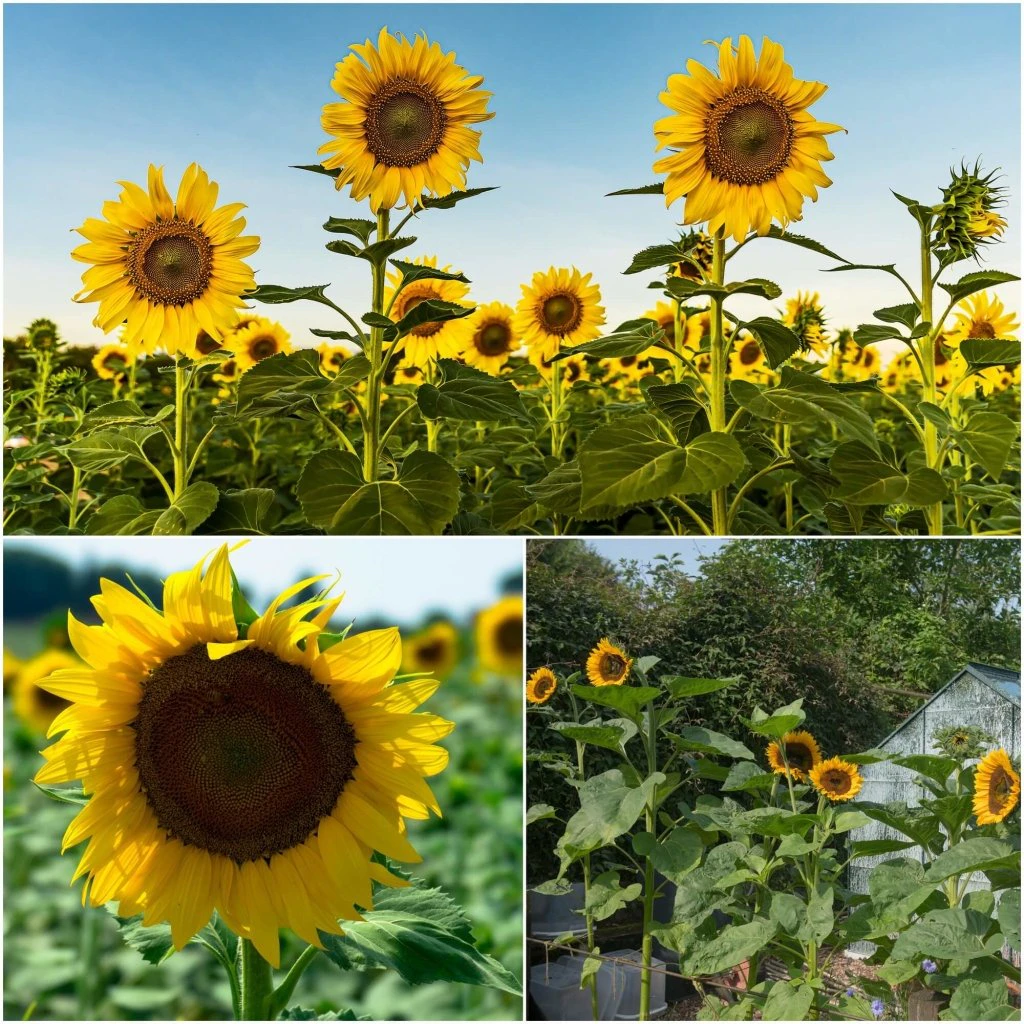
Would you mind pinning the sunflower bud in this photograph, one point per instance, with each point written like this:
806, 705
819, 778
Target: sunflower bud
966, 217
805, 317
962, 742
699, 249
42, 334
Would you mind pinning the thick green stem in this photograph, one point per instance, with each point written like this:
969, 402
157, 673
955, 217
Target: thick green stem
87, 951
557, 426
645, 949
256, 981
433, 426
180, 452
933, 513
371, 441
719, 379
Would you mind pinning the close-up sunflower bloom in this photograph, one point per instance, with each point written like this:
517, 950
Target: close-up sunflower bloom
837, 779
560, 308
608, 665
541, 686
402, 130
167, 268
499, 636
996, 787
252, 770
745, 150
35, 705
434, 650
797, 750
491, 337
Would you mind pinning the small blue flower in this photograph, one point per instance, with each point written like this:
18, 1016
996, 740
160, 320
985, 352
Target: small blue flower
877, 1008
850, 991
929, 966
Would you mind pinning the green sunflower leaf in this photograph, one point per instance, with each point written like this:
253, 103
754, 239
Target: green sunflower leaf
359, 227
988, 438
976, 282
982, 352
429, 311
190, 510
417, 272
466, 393
448, 201
657, 189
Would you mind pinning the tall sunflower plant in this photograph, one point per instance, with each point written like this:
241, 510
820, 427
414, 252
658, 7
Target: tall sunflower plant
273, 830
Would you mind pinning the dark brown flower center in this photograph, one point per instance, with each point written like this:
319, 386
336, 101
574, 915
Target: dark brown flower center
262, 347
228, 367
544, 686
572, 371
509, 636
205, 344
981, 329
409, 301
242, 756
612, 666
170, 262
493, 339
798, 756
747, 136
836, 782
431, 652
750, 352
561, 313
627, 361
405, 123
999, 788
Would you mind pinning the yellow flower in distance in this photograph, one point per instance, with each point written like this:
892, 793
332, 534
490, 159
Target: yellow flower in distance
258, 340
499, 636
801, 754
982, 315
608, 665
746, 361
434, 650
331, 357
746, 151
436, 339
574, 368
837, 779
560, 308
541, 686
402, 128
407, 373
165, 268
34, 705
248, 770
996, 787
491, 337
111, 362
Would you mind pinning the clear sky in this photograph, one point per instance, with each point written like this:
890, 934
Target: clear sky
93, 93
646, 549
401, 578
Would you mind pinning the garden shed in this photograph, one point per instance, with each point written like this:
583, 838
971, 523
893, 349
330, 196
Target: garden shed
978, 695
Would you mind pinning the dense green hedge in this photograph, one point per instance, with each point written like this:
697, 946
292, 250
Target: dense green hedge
845, 628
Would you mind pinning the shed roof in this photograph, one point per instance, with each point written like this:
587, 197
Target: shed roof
1005, 682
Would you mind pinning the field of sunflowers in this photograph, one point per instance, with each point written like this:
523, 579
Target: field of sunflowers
432, 409
444, 934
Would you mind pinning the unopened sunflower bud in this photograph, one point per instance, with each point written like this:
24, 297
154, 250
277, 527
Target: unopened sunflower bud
966, 218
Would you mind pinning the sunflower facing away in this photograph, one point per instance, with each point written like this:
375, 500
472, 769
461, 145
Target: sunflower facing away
996, 787
499, 636
434, 650
165, 268
436, 339
608, 665
110, 362
745, 149
35, 706
559, 308
837, 779
982, 315
252, 770
806, 317
491, 339
402, 128
801, 753
541, 686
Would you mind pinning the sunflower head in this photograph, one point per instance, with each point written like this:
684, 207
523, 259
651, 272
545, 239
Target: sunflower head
259, 339
982, 316
837, 779
966, 218
747, 361
491, 338
499, 636
996, 787
699, 250
560, 308
249, 768
961, 741
608, 665
541, 686
573, 369
745, 151
42, 335
796, 752
402, 128
434, 650
805, 316
32, 702
332, 357
407, 373
166, 268
111, 362
12, 666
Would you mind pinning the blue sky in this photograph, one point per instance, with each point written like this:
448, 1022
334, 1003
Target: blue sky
400, 578
93, 93
645, 549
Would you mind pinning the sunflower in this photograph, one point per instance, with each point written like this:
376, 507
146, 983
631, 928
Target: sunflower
434, 650
35, 706
402, 128
491, 337
608, 665
258, 340
573, 369
805, 316
982, 315
801, 754
861, 363
544, 365
559, 308
331, 357
499, 636
166, 268
996, 787
437, 339
541, 686
111, 362
240, 769
837, 779
205, 345
407, 373
698, 331
664, 315
746, 361
700, 253
227, 372
745, 149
